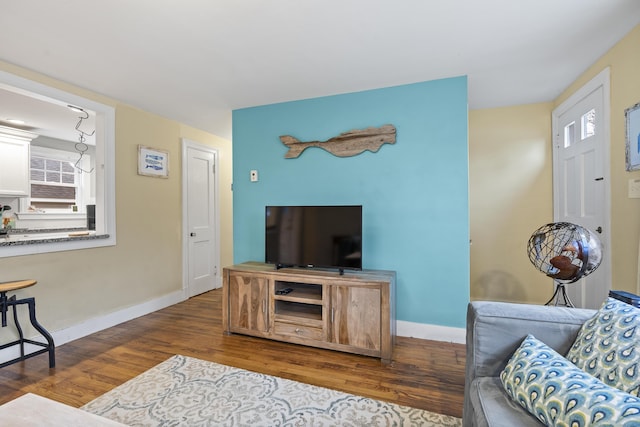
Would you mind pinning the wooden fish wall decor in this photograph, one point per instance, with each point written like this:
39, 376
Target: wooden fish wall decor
346, 144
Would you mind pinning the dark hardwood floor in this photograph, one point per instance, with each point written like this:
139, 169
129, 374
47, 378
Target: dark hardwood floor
424, 374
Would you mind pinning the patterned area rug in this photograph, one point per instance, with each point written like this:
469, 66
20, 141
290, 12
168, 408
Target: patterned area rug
183, 391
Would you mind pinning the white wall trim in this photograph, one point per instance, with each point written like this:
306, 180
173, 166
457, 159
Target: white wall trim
97, 324
104, 160
431, 332
94, 325
112, 319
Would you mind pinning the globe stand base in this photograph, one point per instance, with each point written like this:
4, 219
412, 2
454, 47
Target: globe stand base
560, 294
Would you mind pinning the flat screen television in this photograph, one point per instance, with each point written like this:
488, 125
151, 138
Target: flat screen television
314, 236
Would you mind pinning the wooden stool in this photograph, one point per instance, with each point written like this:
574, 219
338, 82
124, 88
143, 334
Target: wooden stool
5, 303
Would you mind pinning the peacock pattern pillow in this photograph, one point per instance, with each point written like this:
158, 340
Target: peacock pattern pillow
608, 346
558, 393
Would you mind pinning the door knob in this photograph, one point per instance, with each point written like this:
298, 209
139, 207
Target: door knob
599, 230
192, 234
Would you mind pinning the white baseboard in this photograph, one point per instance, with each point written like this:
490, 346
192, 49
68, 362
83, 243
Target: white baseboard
431, 332
100, 323
96, 324
404, 329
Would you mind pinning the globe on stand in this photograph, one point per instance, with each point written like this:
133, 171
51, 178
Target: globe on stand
565, 252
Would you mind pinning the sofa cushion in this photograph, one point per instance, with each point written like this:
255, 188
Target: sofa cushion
607, 346
556, 392
492, 407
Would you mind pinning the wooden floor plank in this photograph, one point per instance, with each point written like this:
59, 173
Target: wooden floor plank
423, 374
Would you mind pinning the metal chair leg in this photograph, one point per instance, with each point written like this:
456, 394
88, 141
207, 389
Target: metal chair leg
32, 317
49, 347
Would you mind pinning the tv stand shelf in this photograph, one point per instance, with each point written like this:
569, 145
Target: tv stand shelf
352, 312
300, 292
295, 311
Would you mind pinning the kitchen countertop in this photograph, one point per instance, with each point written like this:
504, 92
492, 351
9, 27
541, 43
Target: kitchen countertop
18, 237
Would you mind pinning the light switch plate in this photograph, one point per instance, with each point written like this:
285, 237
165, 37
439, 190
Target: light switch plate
634, 188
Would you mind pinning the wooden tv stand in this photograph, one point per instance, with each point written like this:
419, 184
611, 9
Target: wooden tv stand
354, 312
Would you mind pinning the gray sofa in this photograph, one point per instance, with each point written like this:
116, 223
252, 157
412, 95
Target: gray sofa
494, 332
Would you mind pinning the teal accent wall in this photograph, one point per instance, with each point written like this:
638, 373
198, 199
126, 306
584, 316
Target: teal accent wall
414, 193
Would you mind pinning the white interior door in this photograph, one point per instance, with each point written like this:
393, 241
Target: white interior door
581, 178
200, 213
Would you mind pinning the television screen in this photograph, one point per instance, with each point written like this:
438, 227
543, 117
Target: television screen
314, 236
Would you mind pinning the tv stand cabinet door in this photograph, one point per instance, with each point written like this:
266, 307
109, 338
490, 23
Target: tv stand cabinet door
248, 303
356, 317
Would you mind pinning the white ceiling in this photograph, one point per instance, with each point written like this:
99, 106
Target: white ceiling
196, 60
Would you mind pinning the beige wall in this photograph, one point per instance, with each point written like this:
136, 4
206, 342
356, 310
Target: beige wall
510, 183
146, 263
510, 186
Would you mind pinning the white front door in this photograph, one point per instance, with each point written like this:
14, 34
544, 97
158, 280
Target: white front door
199, 218
581, 178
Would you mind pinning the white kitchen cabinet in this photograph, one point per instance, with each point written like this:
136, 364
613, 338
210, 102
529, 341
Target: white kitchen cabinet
14, 162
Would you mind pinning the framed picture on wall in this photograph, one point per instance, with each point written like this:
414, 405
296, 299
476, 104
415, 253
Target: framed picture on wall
153, 162
632, 120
